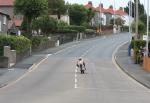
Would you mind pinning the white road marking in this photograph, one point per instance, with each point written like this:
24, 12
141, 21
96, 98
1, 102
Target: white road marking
84, 54
65, 49
11, 69
76, 80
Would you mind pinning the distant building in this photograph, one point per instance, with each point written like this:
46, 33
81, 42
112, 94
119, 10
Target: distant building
104, 16
4, 20
7, 6
64, 18
124, 16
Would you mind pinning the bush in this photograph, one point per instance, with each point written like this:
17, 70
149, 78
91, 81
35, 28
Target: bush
72, 29
138, 43
89, 31
18, 43
36, 41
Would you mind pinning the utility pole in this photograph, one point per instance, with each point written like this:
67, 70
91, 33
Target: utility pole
137, 18
131, 13
130, 17
114, 28
100, 17
147, 49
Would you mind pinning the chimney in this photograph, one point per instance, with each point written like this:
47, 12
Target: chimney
121, 8
110, 7
90, 3
101, 5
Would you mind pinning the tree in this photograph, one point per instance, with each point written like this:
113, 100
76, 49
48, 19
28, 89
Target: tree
78, 14
133, 4
57, 7
141, 27
118, 21
30, 9
45, 23
90, 14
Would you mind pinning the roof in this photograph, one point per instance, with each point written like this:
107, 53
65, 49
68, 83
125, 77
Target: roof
7, 2
109, 10
98, 9
88, 6
120, 12
3, 13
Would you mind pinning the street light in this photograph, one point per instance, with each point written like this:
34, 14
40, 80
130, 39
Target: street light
147, 51
130, 17
100, 16
114, 17
137, 17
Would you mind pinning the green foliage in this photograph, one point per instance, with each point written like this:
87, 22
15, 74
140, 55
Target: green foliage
36, 41
143, 18
141, 27
61, 25
141, 8
118, 21
138, 43
78, 14
90, 15
72, 29
57, 7
45, 23
77, 28
90, 31
30, 9
18, 43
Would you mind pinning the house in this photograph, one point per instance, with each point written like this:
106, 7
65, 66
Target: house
124, 16
109, 13
64, 18
4, 19
100, 16
104, 16
7, 6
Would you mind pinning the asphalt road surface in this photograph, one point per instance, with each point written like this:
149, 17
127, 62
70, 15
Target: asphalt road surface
56, 80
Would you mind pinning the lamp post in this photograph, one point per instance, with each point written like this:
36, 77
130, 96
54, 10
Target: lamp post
147, 51
100, 16
114, 17
130, 17
137, 18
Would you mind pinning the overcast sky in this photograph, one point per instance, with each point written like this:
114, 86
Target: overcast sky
106, 3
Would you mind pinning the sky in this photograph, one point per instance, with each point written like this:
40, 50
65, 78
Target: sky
106, 3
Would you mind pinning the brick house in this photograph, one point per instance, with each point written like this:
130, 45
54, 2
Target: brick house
7, 6
4, 20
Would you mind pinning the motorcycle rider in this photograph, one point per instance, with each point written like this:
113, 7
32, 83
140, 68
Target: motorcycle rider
81, 65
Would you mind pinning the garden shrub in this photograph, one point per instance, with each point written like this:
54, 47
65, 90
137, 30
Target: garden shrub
18, 43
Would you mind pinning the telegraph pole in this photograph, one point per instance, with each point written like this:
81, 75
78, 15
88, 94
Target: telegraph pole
137, 18
114, 28
147, 49
100, 17
130, 17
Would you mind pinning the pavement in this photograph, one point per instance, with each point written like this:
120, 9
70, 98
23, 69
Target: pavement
135, 71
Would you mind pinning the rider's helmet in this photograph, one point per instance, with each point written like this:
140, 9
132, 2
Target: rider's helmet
80, 58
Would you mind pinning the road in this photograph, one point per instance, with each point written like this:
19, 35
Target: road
56, 80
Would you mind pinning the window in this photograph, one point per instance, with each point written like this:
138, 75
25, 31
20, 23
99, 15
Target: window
0, 26
4, 20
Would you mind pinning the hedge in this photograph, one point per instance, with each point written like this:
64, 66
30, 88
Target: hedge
18, 43
138, 43
36, 41
72, 28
